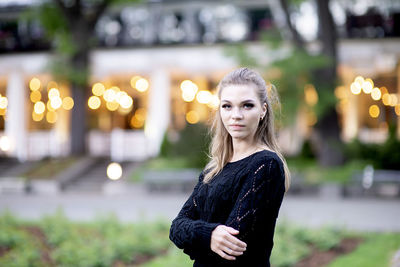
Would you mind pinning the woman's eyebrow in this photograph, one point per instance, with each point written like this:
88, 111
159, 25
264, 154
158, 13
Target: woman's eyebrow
244, 101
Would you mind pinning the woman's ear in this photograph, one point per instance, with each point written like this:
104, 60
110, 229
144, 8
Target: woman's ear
264, 109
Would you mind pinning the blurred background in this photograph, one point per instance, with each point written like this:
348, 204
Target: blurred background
105, 107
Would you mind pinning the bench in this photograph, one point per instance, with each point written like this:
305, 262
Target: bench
12, 185
374, 182
171, 180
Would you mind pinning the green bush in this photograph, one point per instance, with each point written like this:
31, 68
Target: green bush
103, 242
382, 156
192, 145
21, 249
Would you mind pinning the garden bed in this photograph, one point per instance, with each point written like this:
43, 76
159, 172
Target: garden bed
55, 241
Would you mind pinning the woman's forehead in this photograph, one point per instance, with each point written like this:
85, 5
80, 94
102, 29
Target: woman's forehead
238, 92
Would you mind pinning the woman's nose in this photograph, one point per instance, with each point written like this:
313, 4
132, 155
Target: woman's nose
237, 114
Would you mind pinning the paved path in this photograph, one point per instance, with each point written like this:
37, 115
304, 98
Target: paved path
136, 203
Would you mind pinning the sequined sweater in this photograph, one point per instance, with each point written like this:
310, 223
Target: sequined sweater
245, 195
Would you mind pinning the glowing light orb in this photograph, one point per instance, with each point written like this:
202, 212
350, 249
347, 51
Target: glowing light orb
112, 106
5, 143
35, 96
192, 117
204, 97
98, 89
109, 95
355, 88
94, 102
376, 93
67, 103
374, 111
55, 102
3, 102
126, 101
114, 171
39, 107
53, 92
34, 84
142, 85
37, 117
51, 117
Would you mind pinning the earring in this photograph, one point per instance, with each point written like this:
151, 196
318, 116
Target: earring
261, 118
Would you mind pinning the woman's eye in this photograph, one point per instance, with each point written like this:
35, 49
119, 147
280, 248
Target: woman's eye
226, 106
248, 105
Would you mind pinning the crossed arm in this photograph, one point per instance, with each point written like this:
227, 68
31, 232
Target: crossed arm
263, 187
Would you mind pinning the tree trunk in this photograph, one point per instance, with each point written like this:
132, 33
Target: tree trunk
81, 22
79, 87
326, 136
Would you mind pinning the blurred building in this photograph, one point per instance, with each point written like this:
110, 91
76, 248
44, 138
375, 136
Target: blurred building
157, 66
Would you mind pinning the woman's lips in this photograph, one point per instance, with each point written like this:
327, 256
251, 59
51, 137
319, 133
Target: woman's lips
236, 126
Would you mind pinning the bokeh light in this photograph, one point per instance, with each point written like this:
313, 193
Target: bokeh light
310, 95
56, 102
109, 95
35, 84
397, 109
35, 96
126, 101
367, 86
359, 80
49, 107
114, 171
374, 111
68, 103
3, 102
204, 97
53, 92
386, 99
98, 89
94, 102
192, 117
37, 117
355, 88
51, 117
5, 143
39, 107
376, 93
142, 85
112, 106
393, 100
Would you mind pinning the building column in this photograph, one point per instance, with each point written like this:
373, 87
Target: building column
158, 113
15, 124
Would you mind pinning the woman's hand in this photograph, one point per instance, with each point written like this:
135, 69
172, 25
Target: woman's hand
225, 244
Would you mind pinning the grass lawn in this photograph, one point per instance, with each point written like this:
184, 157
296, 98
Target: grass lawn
48, 168
376, 251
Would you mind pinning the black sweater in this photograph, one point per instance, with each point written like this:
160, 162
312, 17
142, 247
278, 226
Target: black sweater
245, 195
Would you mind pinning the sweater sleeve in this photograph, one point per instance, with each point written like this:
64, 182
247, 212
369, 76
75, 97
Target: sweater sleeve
258, 201
187, 231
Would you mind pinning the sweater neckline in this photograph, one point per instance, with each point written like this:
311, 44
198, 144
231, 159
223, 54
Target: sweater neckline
247, 157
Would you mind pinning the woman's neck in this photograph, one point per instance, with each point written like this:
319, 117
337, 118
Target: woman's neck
243, 148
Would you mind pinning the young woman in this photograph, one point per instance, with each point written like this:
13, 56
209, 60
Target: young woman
229, 219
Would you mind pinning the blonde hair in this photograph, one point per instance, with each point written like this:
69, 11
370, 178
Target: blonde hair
221, 149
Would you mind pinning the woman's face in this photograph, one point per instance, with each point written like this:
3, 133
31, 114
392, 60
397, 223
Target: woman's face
240, 111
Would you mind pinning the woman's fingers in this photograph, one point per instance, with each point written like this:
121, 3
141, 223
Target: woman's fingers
232, 246
225, 244
232, 252
236, 241
226, 256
